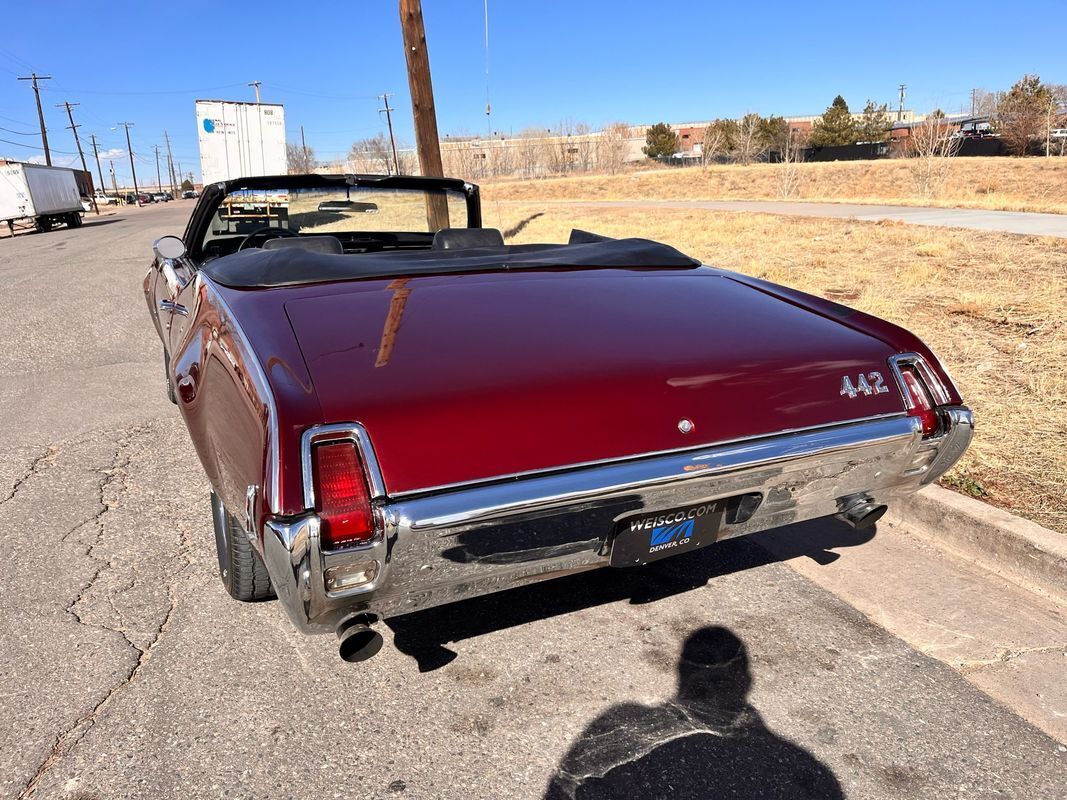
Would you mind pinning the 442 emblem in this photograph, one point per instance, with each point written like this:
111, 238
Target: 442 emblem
871, 383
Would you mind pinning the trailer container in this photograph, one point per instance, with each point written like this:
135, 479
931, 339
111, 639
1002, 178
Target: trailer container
45, 196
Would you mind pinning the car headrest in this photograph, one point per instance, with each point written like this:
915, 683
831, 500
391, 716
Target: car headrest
330, 245
464, 238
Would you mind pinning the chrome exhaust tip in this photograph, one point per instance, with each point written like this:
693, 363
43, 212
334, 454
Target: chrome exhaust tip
862, 513
357, 640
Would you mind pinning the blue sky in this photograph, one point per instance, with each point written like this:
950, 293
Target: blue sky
594, 61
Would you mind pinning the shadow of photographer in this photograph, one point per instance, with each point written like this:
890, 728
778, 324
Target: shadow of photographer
705, 742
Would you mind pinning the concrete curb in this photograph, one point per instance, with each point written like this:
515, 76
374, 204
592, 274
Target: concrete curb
1017, 549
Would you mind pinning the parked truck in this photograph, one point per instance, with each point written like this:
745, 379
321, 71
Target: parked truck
43, 196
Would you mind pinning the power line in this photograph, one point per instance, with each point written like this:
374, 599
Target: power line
18, 133
34, 77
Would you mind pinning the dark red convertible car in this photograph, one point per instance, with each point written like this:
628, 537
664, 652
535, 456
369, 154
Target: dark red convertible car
396, 410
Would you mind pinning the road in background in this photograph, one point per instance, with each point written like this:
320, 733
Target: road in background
128, 671
1021, 222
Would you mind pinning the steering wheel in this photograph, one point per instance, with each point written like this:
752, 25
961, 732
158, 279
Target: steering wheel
264, 229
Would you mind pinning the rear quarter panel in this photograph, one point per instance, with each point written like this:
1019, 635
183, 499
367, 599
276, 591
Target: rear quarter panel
245, 396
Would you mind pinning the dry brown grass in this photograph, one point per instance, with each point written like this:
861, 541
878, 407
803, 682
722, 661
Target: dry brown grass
991, 306
1010, 184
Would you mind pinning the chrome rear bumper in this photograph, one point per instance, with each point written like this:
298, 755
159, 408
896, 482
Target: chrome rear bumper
449, 545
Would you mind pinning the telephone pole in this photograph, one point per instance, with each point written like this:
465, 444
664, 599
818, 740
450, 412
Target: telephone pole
389, 121
114, 183
304, 145
900, 111
255, 85
77, 142
170, 166
96, 155
133, 170
159, 180
974, 100
34, 77
422, 107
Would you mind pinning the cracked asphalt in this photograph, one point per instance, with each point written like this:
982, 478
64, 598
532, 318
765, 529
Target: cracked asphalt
128, 672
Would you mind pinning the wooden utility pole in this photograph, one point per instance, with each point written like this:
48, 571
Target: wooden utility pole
170, 167
422, 107
34, 77
96, 155
77, 142
133, 170
389, 121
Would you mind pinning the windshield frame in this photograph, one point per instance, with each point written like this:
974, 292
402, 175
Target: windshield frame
214, 194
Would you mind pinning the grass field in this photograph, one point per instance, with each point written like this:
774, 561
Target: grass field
990, 305
1011, 184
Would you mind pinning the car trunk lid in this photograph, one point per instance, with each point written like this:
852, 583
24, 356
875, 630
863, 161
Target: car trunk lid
475, 377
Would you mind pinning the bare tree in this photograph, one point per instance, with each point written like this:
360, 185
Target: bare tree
747, 146
720, 138
931, 147
586, 142
612, 146
1055, 110
299, 160
789, 170
373, 155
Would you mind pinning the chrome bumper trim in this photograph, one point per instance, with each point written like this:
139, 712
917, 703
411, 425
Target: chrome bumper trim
442, 547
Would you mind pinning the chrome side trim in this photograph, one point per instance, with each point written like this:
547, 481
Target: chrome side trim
342, 432
448, 487
938, 392
259, 378
479, 504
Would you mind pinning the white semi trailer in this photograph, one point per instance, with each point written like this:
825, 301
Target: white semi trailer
240, 140
45, 196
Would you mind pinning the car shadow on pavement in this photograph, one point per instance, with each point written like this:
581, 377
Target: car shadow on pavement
706, 741
424, 635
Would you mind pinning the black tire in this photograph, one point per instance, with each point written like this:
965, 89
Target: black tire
242, 571
75, 220
166, 378
43, 224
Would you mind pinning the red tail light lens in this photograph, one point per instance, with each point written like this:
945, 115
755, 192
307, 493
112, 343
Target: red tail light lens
921, 405
341, 495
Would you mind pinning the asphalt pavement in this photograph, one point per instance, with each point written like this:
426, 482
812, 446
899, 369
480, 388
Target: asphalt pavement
128, 672
1020, 222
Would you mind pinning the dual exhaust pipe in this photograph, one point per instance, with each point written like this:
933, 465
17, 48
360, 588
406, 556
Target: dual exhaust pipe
860, 511
357, 640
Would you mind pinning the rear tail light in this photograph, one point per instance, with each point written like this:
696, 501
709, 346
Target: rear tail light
341, 495
920, 404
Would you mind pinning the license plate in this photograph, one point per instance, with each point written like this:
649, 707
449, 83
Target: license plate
648, 537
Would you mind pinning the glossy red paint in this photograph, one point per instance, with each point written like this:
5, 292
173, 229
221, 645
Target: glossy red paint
472, 377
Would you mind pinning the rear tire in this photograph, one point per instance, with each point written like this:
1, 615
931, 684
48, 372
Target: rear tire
75, 220
242, 571
43, 224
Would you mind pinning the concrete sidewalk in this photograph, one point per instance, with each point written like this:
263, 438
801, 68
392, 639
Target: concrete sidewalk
1021, 222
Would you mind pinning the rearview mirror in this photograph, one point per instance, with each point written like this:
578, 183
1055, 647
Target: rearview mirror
168, 247
348, 205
